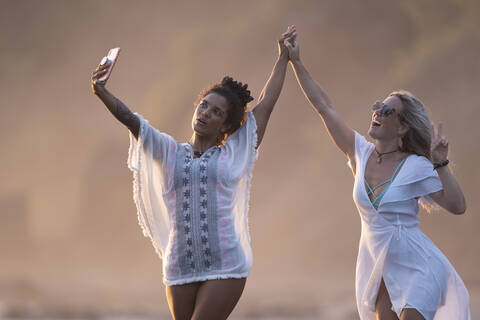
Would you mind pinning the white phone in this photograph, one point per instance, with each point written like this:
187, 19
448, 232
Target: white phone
112, 56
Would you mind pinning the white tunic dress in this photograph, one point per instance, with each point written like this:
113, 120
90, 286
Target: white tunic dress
416, 273
194, 210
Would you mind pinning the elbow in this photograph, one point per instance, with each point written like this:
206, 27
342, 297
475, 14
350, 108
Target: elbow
459, 209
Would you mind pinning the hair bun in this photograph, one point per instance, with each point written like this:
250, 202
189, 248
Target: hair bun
241, 90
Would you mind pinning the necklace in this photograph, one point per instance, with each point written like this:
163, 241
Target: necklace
197, 154
380, 154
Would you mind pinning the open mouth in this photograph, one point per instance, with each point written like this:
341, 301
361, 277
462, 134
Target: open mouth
202, 122
375, 123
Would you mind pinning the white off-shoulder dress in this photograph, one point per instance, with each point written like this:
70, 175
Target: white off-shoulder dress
194, 210
416, 273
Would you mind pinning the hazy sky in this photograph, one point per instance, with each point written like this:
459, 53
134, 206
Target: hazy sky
68, 226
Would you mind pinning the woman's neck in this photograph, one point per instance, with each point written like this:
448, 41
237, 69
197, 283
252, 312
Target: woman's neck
202, 143
383, 146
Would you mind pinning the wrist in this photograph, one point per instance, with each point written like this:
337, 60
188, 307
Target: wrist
440, 164
98, 88
283, 56
295, 61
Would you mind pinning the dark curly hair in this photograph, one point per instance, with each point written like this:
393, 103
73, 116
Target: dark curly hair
237, 96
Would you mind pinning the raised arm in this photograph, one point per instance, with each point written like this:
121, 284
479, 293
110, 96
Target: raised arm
340, 132
272, 89
451, 197
114, 105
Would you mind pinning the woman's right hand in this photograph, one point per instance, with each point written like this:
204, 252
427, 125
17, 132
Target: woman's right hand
97, 74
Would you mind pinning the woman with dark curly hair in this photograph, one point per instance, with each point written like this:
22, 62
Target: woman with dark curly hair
400, 273
192, 198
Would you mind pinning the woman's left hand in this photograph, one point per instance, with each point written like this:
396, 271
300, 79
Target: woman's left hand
439, 144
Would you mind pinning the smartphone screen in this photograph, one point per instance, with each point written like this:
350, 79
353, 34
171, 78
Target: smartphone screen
112, 57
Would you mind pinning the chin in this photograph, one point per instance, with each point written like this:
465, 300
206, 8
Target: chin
376, 133
199, 130
372, 133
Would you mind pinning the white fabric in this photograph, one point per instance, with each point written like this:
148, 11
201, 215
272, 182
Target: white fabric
416, 274
152, 159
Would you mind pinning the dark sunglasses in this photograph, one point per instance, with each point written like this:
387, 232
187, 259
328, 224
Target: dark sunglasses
383, 109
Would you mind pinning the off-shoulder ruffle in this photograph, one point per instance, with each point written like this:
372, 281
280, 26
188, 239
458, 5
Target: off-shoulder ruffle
416, 179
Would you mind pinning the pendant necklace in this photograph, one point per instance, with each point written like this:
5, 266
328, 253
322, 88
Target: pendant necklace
380, 154
197, 154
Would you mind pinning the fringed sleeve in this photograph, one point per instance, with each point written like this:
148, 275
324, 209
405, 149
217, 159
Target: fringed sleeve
240, 153
151, 158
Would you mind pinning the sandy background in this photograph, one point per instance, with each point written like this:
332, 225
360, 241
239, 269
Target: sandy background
70, 246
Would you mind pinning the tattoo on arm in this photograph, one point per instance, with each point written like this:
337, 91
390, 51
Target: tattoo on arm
120, 111
125, 116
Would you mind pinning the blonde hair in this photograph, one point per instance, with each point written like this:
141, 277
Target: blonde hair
417, 140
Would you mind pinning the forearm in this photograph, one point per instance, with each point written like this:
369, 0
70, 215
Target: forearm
340, 132
273, 87
311, 89
119, 110
452, 196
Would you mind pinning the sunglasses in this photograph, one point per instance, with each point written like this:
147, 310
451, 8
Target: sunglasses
383, 109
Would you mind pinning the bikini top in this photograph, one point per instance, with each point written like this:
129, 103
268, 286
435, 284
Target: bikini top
371, 191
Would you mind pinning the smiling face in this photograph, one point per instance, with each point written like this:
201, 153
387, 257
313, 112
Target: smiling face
386, 123
210, 116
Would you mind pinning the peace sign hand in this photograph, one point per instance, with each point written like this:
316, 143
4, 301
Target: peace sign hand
439, 144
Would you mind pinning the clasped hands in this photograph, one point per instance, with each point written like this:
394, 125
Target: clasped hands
287, 44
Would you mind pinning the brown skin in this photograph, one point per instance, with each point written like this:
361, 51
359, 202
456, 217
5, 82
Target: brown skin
114, 105
211, 299
209, 121
215, 299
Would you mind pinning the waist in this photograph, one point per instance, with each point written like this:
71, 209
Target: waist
401, 219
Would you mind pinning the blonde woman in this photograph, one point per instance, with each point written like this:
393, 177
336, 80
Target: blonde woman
400, 273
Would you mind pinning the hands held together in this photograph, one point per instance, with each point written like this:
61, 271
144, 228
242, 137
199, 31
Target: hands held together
288, 46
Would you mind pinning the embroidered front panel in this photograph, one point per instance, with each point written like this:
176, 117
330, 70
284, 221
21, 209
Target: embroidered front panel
196, 228
205, 256
187, 261
211, 218
224, 217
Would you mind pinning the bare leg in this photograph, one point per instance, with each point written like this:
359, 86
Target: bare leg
411, 314
217, 298
181, 300
383, 306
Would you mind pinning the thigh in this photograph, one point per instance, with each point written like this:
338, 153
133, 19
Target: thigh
217, 298
383, 306
411, 314
181, 300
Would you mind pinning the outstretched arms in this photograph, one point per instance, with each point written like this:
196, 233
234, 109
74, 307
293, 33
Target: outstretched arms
114, 105
451, 196
271, 91
339, 131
